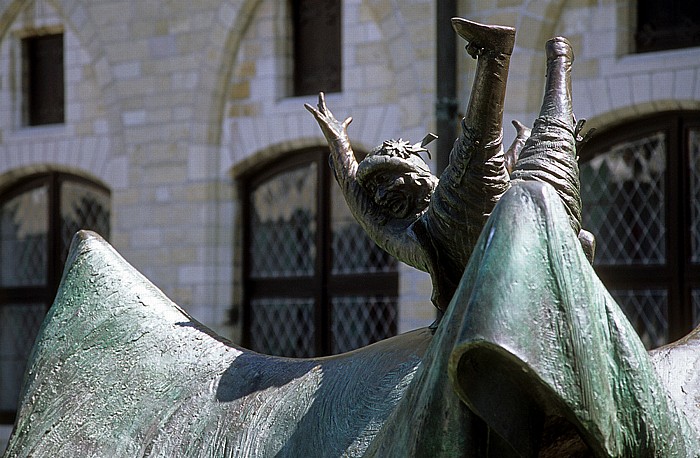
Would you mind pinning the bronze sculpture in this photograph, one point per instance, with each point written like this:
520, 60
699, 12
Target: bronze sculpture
433, 224
532, 356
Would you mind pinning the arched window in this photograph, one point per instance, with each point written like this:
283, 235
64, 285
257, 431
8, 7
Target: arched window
315, 284
640, 185
38, 218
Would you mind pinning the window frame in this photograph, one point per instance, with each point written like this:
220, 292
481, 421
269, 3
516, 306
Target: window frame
651, 36
323, 285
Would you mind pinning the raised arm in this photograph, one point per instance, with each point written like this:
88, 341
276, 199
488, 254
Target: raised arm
391, 232
342, 156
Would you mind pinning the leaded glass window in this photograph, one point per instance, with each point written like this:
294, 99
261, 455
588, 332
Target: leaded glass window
648, 312
640, 186
695, 301
315, 284
23, 238
624, 189
38, 218
694, 183
352, 251
357, 321
283, 237
283, 326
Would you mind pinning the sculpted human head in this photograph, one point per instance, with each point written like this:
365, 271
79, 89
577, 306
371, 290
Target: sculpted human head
397, 178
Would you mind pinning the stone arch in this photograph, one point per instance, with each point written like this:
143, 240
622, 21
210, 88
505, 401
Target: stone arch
9, 13
217, 64
96, 155
10, 177
90, 154
612, 118
272, 152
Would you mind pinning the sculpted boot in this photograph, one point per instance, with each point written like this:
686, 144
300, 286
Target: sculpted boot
491, 46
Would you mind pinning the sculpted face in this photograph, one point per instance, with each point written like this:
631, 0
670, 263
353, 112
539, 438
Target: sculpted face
402, 192
397, 179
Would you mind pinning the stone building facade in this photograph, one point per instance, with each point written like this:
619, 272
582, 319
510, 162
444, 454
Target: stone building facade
170, 104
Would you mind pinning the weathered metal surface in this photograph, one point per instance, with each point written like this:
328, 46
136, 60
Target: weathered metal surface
433, 224
542, 357
121, 371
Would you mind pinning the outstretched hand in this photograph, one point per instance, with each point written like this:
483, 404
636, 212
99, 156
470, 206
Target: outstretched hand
331, 127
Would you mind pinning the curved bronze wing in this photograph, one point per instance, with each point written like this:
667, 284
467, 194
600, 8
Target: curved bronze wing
119, 370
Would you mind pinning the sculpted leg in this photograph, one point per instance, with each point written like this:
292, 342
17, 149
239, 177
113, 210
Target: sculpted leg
491, 46
476, 177
549, 155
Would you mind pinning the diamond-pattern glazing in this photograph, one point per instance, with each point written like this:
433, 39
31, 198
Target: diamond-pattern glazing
623, 202
23, 239
353, 251
357, 321
647, 310
19, 325
282, 326
694, 164
283, 226
82, 207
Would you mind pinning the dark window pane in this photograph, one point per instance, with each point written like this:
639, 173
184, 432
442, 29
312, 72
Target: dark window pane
694, 175
667, 24
353, 252
361, 320
623, 198
317, 47
282, 326
82, 207
647, 310
24, 239
19, 325
640, 187
283, 226
37, 219
44, 79
695, 304
316, 284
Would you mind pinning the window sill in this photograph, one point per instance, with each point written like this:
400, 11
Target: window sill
46, 130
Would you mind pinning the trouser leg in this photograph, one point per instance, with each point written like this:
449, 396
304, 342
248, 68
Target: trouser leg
549, 155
